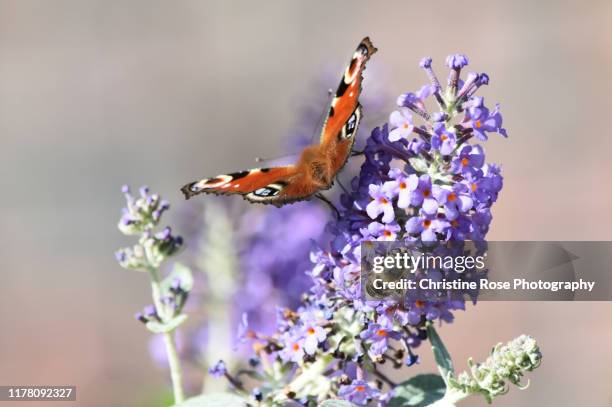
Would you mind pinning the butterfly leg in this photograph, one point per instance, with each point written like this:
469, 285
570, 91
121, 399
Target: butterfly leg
329, 203
357, 153
346, 191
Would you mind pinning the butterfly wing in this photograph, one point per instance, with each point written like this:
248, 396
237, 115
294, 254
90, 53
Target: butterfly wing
346, 99
276, 185
281, 185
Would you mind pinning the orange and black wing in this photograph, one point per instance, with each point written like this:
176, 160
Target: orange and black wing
281, 185
341, 115
276, 185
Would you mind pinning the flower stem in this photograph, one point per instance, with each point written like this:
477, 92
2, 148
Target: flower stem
450, 399
173, 359
175, 367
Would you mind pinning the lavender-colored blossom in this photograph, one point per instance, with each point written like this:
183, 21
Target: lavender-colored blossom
293, 347
459, 229
402, 121
359, 392
426, 227
420, 193
469, 161
479, 118
380, 204
443, 139
455, 200
377, 336
380, 231
312, 331
400, 186
415, 102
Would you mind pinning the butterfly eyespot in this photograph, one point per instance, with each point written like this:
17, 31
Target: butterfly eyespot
194, 188
351, 125
266, 192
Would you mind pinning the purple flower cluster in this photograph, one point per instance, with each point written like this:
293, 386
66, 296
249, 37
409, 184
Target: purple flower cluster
139, 217
274, 245
422, 181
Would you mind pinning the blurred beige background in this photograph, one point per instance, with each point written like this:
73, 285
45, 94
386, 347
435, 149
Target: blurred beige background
94, 94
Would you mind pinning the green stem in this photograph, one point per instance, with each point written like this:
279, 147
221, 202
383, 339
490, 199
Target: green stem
173, 358
175, 368
156, 292
450, 399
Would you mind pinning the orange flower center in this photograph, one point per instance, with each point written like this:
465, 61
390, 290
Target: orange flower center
296, 347
474, 186
454, 223
444, 137
383, 201
426, 223
360, 388
405, 125
387, 233
478, 123
451, 197
426, 193
465, 161
381, 332
419, 303
402, 185
311, 331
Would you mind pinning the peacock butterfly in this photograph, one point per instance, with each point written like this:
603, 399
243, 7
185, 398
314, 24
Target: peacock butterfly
318, 164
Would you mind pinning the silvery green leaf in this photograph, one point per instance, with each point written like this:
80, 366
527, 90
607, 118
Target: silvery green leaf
419, 164
183, 273
443, 359
214, 400
159, 327
336, 403
420, 391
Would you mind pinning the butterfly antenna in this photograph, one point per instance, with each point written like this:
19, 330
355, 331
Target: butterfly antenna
317, 128
329, 203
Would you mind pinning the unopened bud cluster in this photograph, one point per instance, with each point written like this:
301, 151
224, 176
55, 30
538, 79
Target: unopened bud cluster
139, 217
507, 364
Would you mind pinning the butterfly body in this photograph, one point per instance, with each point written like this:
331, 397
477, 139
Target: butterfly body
318, 164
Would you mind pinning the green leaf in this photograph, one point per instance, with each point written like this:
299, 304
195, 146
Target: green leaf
214, 400
443, 359
336, 403
420, 391
160, 328
181, 272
